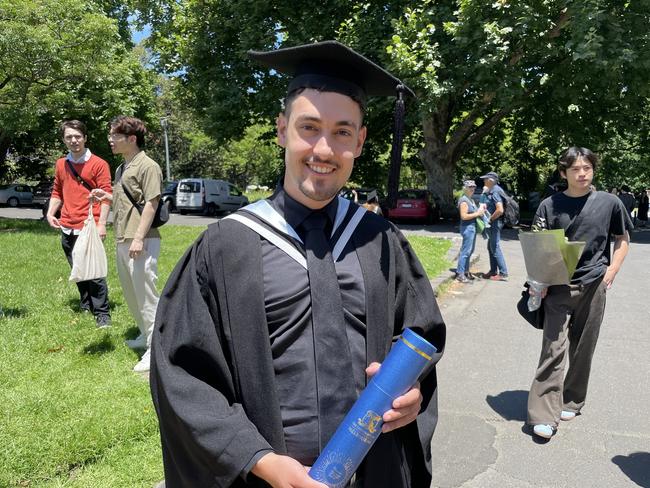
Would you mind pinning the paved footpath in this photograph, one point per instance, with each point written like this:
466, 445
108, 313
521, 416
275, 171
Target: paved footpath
482, 441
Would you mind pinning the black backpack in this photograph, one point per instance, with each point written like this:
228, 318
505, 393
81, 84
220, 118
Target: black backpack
510, 210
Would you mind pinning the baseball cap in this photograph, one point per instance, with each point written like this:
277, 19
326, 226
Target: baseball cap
492, 175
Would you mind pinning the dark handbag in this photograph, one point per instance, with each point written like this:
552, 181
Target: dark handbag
162, 212
534, 318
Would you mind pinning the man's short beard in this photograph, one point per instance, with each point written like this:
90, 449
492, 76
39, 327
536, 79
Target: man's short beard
319, 196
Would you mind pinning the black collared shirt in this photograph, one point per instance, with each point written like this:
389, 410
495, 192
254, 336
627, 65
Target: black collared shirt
288, 312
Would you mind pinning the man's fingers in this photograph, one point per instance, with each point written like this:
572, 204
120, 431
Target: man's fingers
411, 397
372, 369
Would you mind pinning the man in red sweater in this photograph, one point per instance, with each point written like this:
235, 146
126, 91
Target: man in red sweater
70, 195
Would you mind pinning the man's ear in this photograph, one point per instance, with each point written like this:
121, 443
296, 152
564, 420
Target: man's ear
563, 174
360, 140
281, 129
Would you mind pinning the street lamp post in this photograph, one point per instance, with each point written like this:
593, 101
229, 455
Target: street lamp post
163, 122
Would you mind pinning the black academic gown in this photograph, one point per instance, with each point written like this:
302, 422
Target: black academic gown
212, 377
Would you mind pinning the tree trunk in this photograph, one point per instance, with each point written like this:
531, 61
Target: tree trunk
440, 165
5, 142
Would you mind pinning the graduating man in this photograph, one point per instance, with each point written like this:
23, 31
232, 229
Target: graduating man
273, 320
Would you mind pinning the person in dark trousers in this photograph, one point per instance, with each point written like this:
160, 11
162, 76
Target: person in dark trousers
271, 323
574, 313
629, 202
644, 200
75, 176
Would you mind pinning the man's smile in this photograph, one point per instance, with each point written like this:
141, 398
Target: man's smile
317, 168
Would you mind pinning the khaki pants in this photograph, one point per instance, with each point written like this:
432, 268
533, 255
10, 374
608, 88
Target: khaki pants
138, 279
573, 315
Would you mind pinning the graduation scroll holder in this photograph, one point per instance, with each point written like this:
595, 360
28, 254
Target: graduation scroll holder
361, 427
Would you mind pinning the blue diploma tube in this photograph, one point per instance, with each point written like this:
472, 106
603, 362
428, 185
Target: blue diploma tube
361, 427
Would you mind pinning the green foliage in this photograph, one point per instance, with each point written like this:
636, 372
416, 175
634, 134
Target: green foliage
252, 157
558, 72
64, 59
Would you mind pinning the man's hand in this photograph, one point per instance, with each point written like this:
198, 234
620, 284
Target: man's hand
284, 472
610, 274
101, 228
542, 293
99, 195
136, 248
405, 408
53, 221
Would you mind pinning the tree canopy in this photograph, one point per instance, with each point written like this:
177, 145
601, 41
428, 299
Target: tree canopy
63, 59
569, 72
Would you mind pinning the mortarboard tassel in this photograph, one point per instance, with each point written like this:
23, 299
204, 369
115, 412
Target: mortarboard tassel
396, 150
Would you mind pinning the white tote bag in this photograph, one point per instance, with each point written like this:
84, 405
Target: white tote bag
88, 256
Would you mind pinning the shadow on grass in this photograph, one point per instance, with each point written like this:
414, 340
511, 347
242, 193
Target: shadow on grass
102, 346
131, 333
73, 304
25, 225
12, 313
636, 467
511, 405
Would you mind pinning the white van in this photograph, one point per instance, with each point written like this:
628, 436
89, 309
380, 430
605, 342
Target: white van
208, 196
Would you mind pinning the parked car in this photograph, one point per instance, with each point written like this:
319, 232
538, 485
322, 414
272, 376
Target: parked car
415, 205
169, 195
208, 196
42, 193
16, 194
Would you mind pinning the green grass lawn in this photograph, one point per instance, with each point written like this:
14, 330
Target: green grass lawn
72, 413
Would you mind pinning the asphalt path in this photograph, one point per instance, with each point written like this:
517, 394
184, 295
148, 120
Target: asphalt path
174, 218
482, 440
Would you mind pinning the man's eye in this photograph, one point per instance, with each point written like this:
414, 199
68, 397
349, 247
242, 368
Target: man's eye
344, 132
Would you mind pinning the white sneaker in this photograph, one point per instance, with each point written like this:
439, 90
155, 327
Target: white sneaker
545, 431
143, 364
567, 415
139, 342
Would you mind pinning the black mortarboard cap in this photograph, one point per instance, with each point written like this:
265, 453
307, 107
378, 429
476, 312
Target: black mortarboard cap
331, 66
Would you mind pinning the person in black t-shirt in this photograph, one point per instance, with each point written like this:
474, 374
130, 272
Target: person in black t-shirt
573, 313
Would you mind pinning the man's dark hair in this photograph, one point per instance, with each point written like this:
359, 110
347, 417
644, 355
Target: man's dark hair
625, 188
73, 124
574, 153
288, 100
129, 126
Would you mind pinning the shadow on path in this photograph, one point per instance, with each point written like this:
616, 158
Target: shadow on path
511, 405
636, 466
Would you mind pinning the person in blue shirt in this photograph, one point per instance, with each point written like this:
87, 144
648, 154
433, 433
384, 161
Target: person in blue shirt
494, 200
